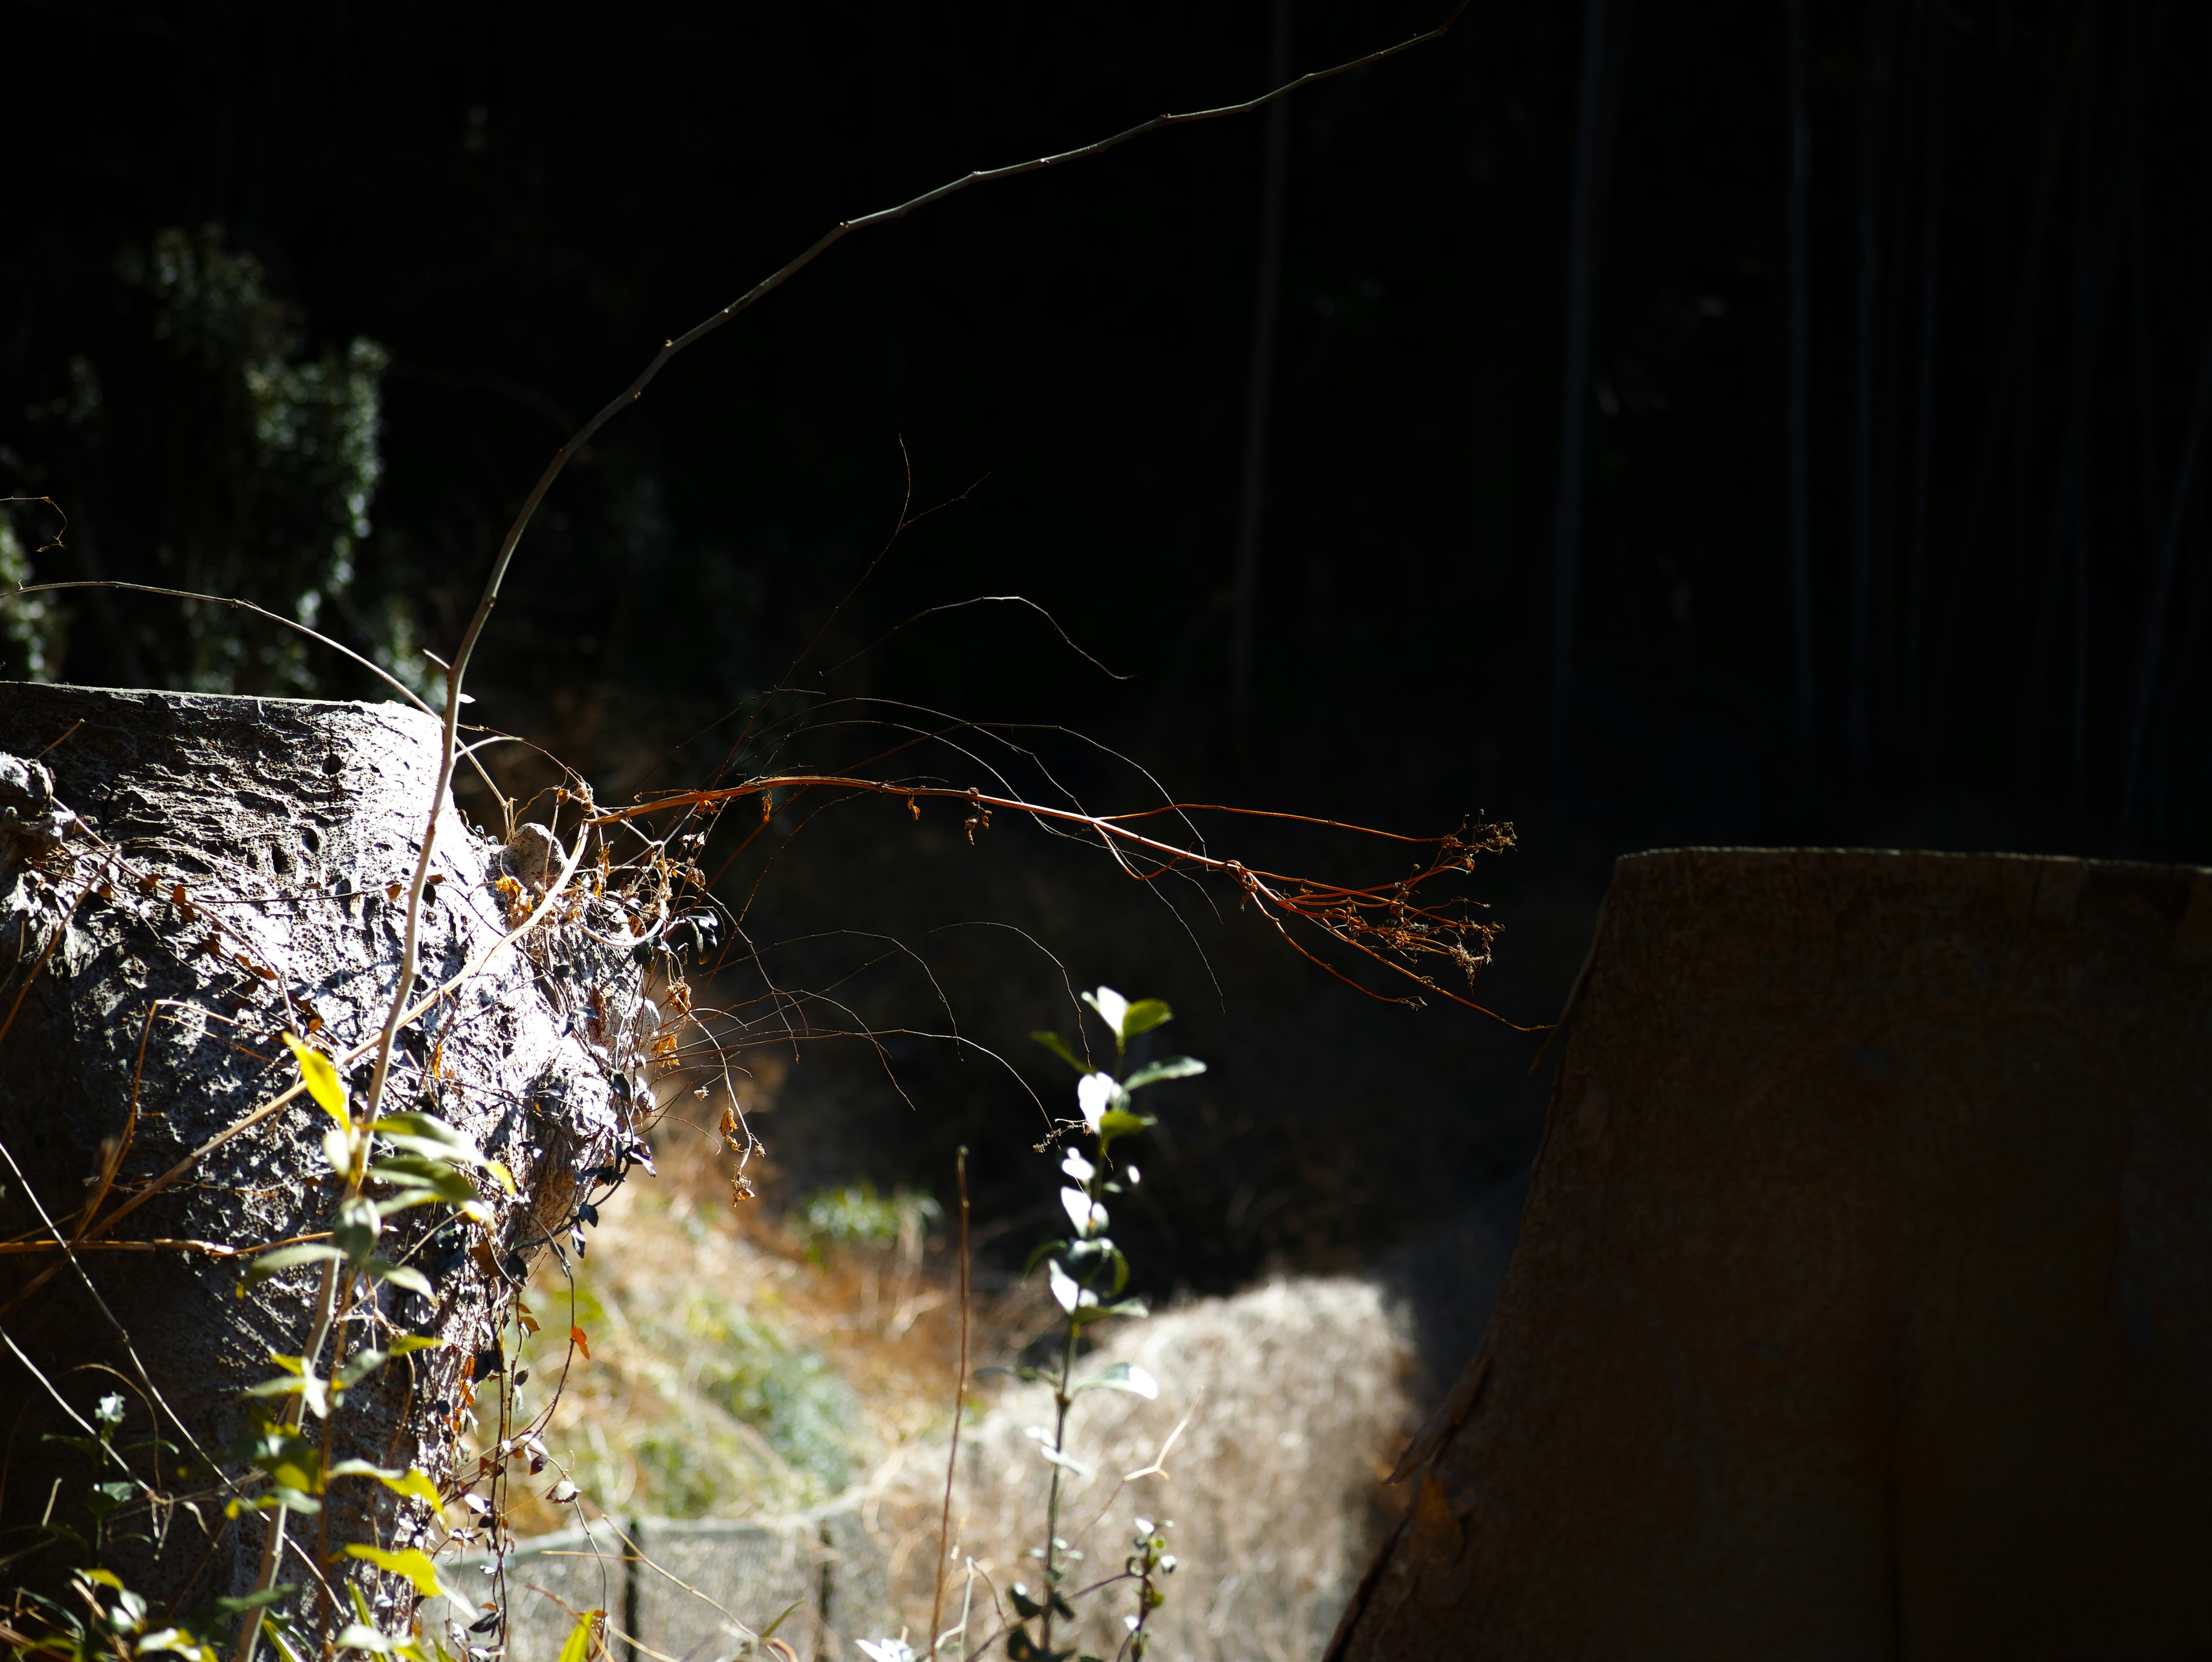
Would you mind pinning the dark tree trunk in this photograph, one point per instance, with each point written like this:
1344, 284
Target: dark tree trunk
232, 876
1860, 1307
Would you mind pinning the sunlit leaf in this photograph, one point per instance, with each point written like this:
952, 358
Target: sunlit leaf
1113, 1009
320, 1075
1167, 1068
579, 1645
426, 1133
1080, 1468
581, 1341
358, 1226
1118, 1123
358, 1367
447, 1181
1143, 1015
338, 1149
1095, 1095
400, 1276
1123, 1376
1064, 1292
412, 1483
1088, 1216
413, 1563
1090, 1310
283, 1258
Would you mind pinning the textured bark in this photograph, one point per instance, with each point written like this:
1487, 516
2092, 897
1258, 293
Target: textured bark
283, 826
1862, 1307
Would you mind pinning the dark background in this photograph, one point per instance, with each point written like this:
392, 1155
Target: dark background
1885, 521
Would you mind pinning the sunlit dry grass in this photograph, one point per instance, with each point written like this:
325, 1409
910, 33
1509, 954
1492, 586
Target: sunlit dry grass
1285, 1405
733, 1374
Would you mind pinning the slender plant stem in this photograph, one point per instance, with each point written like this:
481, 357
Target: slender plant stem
959, 1401
1061, 1402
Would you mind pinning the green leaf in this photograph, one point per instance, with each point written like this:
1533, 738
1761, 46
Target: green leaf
1118, 1123
399, 1274
577, 1647
175, 1641
320, 1075
239, 1606
358, 1367
413, 1563
1166, 1067
442, 1178
782, 1615
1060, 1047
306, 1385
1123, 1376
407, 1343
427, 1135
392, 1205
412, 1482
283, 1258
1113, 1009
1084, 1314
339, 1150
1039, 1253
1067, 1294
356, 1230
1143, 1015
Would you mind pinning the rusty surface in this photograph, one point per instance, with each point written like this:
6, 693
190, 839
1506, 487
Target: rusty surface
1861, 1308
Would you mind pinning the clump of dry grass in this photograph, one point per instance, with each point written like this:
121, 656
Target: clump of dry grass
733, 1372
1285, 1405
716, 1334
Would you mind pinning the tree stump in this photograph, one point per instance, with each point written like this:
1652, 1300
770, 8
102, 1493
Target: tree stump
1862, 1306
182, 878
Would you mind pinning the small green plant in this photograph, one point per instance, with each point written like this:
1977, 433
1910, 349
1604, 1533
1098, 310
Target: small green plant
856, 1215
1087, 1276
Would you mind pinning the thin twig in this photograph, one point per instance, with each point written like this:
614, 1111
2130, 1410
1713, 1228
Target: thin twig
959, 1401
374, 668
837, 233
1338, 911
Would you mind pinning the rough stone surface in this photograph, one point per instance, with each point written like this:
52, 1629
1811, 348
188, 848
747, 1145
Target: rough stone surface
234, 876
1862, 1304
